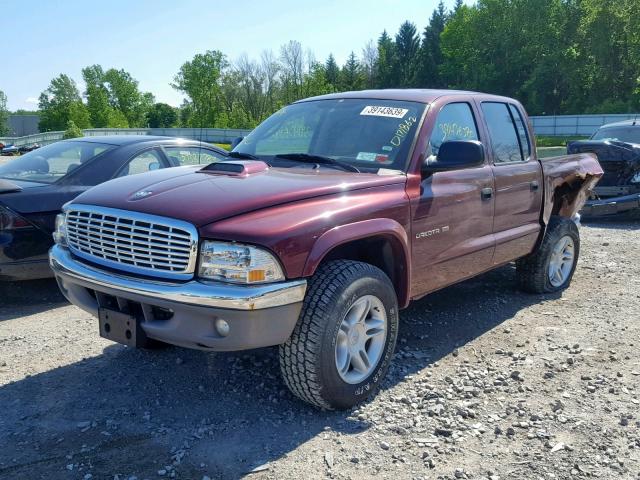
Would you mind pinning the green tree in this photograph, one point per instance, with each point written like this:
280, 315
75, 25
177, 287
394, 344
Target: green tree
200, 80
58, 102
407, 46
126, 97
332, 71
351, 75
79, 115
162, 115
72, 131
116, 119
97, 96
4, 114
386, 66
430, 57
315, 81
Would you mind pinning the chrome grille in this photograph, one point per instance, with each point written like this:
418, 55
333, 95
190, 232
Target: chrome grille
131, 241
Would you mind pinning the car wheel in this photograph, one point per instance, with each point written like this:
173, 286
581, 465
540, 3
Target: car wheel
344, 340
550, 268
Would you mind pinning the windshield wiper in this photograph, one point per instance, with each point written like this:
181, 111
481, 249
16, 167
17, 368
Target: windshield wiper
242, 155
318, 160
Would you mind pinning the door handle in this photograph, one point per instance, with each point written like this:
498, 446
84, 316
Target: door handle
535, 185
486, 193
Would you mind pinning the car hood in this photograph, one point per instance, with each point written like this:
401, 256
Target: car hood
619, 160
190, 194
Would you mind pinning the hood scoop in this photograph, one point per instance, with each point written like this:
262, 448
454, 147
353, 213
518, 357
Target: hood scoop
241, 168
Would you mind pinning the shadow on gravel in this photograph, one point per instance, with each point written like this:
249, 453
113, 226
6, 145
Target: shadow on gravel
629, 221
28, 297
132, 412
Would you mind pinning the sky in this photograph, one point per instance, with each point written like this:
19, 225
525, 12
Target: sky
152, 39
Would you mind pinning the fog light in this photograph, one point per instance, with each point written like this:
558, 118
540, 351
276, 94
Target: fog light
222, 327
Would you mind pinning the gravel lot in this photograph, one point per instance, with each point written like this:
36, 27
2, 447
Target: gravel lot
488, 383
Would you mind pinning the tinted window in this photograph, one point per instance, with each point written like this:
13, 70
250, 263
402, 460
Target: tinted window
180, 156
144, 162
523, 135
52, 162
628, 134
366, 133
504, 139
454, 122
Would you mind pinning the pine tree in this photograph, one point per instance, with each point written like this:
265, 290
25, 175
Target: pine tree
332, 71
407, 46
386, 67
430, 56
351, 76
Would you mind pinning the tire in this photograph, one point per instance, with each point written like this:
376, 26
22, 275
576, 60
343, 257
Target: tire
535, 271
338, 292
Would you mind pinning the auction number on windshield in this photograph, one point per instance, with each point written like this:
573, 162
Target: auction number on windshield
381, 111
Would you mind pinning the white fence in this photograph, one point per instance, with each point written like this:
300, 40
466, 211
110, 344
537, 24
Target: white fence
214, 135
575, 125
553, 125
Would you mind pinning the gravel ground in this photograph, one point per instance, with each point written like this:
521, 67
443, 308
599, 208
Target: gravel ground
487, 383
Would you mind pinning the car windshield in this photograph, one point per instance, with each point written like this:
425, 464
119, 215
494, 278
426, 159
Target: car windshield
51, 163
630, 134
363, 133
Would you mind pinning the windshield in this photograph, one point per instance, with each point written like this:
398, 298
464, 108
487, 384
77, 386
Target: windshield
365, 133
629, 134
49, 164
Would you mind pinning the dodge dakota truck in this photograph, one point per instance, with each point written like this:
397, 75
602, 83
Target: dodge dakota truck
333, 214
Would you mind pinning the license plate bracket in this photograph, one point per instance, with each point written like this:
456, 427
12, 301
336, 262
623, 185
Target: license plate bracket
120, 327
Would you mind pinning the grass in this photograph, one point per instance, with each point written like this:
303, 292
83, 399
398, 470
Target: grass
543, 141
226, 146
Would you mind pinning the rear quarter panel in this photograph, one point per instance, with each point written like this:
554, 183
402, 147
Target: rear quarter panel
568, 181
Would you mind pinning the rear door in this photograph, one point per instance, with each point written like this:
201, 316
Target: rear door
452, 225
518, 181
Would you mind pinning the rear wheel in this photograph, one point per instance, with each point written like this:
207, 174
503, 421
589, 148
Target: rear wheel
550, 268
343, 343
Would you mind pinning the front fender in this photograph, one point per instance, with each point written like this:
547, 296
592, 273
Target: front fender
372, 228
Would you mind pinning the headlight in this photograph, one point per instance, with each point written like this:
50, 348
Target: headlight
60, 233
232, 262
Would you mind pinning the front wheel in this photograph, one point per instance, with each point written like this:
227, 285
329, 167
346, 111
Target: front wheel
550, 268
344, 340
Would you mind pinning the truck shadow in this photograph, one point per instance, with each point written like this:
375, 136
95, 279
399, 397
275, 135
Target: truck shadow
131, 412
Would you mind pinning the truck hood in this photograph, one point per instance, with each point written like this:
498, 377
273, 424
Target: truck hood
189, 194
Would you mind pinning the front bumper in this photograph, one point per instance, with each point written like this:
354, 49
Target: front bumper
611, 206
257, 315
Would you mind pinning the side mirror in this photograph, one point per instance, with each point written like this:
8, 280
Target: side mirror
154, 166
236, 141
456, 155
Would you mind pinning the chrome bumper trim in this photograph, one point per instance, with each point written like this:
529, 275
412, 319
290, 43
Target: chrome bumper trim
210, 294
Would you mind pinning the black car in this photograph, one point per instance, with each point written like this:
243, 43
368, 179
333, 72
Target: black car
617, 146
34, 187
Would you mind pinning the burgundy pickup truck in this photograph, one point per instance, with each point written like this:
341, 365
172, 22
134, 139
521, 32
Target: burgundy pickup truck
328, 218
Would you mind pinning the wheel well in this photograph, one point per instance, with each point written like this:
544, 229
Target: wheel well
382, 252
566, 197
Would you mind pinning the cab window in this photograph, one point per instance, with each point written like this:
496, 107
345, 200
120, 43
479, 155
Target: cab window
505, 140
454, 122
141, 163
180, 156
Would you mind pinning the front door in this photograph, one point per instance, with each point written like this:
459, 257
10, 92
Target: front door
518, 182
452, 228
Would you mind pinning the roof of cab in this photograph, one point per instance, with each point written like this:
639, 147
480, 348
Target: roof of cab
422, 95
